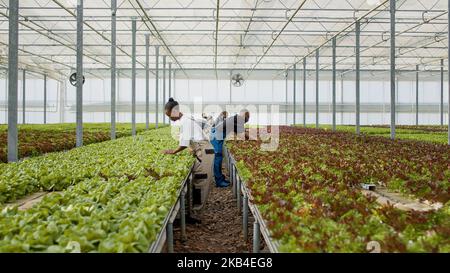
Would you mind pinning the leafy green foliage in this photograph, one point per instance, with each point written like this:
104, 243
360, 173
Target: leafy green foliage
308, 191
115, 196
426, 133
35, 140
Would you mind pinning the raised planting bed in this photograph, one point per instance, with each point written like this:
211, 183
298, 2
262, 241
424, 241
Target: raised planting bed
36, 140
433, 134
310, 198
115, 196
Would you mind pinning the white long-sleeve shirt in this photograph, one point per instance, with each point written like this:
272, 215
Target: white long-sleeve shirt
190, 131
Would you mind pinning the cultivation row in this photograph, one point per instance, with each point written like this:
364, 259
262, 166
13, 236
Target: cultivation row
434, 134
39, 139
425, 128
114, 196
309, 191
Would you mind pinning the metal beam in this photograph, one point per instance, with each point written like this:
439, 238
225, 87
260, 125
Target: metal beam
216, 35
95, 30
367, 13
174, 83
133, 78
170, 81
295, 93
276, 37
45, 98
24, 87
158, 35
334, 84
156, 86
304, 92
358, 77
441, 108
13, 70
417, 95
79, 92
164, 86
286, 95
113, 66
147, 81
392, 9
317, 88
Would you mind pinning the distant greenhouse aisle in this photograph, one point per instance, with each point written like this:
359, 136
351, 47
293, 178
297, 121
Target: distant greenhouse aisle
40, 139
434, 134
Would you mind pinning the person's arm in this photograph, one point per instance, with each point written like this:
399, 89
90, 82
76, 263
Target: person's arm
173, 152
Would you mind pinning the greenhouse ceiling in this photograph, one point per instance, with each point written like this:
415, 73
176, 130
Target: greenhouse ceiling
228, 35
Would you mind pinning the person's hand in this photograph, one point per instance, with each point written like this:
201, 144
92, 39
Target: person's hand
169, 152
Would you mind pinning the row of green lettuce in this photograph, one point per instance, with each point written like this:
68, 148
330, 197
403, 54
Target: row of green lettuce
111, 197
433, 134
35, 139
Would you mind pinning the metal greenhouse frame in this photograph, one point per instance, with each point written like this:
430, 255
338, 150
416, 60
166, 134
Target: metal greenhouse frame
58, 37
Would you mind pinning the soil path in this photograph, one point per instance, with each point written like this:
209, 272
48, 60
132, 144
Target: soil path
220, 230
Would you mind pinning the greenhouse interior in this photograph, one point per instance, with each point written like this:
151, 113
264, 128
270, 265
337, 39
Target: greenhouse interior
224, 126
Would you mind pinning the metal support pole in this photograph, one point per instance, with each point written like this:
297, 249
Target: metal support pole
164, 85
392, 57
183, 216
295, 93
188, 196
133, 78
304, 92
229, 166
169, 232
174, 83
24, 84
113, 67
79, 94
238, 194
334, 84
245, 218
417, 95
233, 180
170, 81
286, 96
317, 89
256, 237
231, 87
157, 86
441, 108
147, 81
342, 98
358, 77
13, 70
45, 99
448, 70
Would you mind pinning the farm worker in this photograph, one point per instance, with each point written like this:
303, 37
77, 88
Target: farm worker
191, 131
231, 125
222, 116
192, 136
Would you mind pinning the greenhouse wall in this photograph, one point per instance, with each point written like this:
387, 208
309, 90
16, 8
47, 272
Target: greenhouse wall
258, 93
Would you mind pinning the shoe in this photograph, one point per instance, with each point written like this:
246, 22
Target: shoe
223, 184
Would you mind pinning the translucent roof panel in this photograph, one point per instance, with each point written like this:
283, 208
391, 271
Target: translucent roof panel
244, 35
